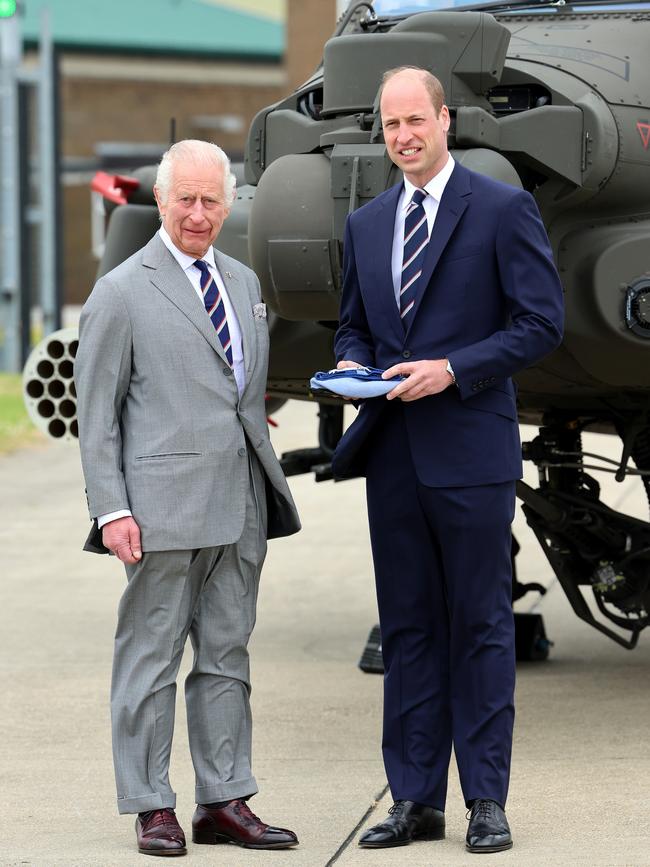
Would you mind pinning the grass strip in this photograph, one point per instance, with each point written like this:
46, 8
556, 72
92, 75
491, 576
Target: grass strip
16, 428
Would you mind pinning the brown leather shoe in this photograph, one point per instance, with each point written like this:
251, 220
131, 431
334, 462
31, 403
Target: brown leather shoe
235, 823
159, 833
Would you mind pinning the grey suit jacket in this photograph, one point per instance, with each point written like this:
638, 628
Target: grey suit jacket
162, 429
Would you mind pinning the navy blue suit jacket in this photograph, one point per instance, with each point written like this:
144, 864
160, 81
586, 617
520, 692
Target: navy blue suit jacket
490, 300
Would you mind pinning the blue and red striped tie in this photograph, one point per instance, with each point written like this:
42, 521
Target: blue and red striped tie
215, 307
416, 238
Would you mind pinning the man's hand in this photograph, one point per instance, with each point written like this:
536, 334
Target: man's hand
423, 378
346, 365
122, 537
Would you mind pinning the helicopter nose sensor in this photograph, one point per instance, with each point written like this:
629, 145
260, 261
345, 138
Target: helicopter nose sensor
637, 307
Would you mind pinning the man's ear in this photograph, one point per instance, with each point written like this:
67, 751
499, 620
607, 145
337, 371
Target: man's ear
159, 201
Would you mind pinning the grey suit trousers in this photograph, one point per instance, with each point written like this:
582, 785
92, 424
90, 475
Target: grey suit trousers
209, 594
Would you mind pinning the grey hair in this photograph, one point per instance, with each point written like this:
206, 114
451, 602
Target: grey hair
195, 151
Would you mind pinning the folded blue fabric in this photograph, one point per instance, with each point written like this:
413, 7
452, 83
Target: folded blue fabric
358, 382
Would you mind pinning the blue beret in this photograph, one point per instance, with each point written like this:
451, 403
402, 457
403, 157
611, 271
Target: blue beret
361, 382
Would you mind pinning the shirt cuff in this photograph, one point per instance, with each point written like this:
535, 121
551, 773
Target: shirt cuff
112, 516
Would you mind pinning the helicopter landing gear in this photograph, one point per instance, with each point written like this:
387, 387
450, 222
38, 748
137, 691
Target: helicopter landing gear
371, 659
531, 644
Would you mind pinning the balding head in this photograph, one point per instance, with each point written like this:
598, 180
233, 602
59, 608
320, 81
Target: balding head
416, 73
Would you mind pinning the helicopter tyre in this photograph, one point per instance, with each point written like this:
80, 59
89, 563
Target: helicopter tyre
531, 643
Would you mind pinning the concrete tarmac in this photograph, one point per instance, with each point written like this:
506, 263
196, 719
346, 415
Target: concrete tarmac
580, 791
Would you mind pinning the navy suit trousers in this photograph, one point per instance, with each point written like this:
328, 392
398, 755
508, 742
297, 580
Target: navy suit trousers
444, 589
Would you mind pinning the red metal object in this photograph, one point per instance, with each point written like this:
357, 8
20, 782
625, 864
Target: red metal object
644, 131
271, 422
115, 188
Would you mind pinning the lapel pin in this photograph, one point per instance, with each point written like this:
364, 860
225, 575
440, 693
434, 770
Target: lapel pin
228, 274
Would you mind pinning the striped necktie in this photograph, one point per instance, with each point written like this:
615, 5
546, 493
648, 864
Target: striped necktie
416, 238
215, 307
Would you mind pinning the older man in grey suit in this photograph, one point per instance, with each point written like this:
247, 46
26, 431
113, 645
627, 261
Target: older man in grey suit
184, 488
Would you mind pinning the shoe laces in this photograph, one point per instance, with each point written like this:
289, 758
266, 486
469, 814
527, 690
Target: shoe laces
481, 809
244, 811
158, 817
155, 818
397, 807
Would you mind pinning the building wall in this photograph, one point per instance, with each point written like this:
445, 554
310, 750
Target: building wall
310, 23
79, 264
131, 101
109, 99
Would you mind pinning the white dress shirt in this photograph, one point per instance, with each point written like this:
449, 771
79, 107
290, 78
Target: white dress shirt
194, 276
435, 188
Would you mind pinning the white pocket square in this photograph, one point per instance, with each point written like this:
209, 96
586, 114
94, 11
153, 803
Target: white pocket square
259, 311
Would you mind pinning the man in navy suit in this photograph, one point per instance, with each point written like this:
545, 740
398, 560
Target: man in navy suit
449, 280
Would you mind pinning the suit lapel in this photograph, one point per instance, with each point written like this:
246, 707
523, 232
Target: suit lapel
453, 204
233, 279
168, 277
381, 231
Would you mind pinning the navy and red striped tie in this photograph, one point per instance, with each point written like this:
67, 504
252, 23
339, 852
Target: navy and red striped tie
215, 307
416, 238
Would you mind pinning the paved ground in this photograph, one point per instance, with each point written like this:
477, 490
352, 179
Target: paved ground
580, 791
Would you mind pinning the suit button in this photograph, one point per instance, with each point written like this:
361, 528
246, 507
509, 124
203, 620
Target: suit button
492, 379
407, 353
474, 386
241, 452
227, 371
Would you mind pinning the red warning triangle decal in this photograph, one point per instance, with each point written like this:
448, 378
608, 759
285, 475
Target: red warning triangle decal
644, 132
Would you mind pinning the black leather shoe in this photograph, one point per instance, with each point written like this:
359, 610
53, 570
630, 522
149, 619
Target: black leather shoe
488, 829
406, 821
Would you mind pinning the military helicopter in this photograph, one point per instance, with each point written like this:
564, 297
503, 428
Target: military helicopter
553, 97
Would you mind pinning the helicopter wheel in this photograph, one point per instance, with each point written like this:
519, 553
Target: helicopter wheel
531, 643
371, 659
